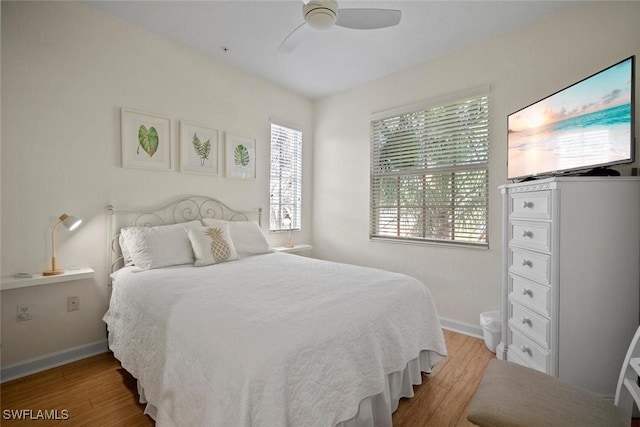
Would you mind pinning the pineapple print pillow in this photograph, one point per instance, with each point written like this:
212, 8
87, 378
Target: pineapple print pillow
211, 245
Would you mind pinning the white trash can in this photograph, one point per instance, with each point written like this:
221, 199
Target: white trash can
491, 322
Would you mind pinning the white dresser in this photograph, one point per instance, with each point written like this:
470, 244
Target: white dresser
571, 276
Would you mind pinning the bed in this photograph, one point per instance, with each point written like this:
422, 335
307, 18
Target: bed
259, 338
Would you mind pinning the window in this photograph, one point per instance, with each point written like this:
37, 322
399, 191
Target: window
429, 174
286, 179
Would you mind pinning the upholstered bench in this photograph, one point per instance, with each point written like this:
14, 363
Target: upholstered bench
513, 395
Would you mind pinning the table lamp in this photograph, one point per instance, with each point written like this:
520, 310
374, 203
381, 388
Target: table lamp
287, 221
70, 222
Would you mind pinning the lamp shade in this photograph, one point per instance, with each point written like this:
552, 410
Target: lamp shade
69, 221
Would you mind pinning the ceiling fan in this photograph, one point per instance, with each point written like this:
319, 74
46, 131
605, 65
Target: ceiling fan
324, 14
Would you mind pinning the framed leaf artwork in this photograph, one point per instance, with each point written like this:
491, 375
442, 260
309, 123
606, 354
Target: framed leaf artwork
199, 149
146, 140
240, 155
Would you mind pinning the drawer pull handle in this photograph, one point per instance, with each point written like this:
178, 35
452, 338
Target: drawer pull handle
526, 292
527, 233
527, 204
525, 349
526, 321
527, 263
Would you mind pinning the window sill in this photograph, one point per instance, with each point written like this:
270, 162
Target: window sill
452, 245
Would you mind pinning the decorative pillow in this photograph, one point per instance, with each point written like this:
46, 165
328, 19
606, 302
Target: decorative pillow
159, 246
211, 245
247, 236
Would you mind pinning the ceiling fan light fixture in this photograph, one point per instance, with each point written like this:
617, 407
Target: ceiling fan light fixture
321, 14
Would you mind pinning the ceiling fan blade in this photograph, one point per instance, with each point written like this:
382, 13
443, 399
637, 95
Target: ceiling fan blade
294, 38
368, 19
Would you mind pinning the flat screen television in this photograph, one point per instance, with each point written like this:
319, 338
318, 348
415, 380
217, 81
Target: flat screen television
588, 125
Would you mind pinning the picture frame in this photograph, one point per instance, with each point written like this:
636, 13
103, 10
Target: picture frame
146, 140
199, 149
240, 155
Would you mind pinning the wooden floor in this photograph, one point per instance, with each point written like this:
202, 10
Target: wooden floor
98, 392
444, 395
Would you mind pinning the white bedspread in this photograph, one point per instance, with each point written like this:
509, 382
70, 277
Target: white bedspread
269, 340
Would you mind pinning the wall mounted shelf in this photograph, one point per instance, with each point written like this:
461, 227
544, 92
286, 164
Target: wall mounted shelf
299, 247
12, 282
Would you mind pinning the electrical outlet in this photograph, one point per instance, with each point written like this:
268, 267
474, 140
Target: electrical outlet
24, 313
73, 303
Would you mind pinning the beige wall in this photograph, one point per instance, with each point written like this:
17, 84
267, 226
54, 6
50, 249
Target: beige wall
521, 67
67, 69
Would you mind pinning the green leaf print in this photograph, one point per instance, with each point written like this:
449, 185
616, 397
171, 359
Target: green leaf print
241, 155
148, 140
202, 150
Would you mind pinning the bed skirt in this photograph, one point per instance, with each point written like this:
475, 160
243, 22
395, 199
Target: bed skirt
376, 410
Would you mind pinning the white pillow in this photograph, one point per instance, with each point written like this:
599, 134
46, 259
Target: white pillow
159, 246
124, 249
211, 245
247, 236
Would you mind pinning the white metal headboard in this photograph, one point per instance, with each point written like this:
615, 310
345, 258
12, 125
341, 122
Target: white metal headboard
184, 209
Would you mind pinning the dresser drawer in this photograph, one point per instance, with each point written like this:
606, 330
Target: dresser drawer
529, 234
531, 324
527, 351
531, 265
530, 294
530, 205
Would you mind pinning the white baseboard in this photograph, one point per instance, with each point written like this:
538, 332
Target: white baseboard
461, 327
52, 360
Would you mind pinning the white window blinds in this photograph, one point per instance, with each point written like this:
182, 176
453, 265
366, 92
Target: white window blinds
429, 174
286, 179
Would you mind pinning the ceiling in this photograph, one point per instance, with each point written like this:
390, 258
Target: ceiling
247, 34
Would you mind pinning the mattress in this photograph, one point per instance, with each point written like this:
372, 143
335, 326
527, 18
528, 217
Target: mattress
270, 340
